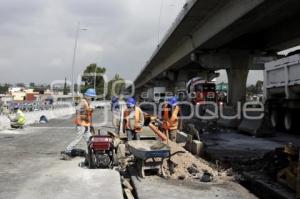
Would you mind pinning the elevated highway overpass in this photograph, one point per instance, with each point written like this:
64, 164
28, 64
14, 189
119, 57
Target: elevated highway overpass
236, 35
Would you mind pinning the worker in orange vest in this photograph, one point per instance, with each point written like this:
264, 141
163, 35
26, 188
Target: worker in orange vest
83, 120
170, 117
134, 120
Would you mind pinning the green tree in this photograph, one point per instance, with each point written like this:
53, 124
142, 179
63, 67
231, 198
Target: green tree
255, 89
115, 86
259, 86
93, 74
20, 85
4, 88
251, 90
66, 88
31, 84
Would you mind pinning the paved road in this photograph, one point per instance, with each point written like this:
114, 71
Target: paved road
30, 165
230, 144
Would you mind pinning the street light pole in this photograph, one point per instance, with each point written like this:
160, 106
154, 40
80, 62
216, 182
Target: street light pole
74, 58
95, 77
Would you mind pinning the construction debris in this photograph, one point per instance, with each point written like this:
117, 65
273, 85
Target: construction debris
186, 166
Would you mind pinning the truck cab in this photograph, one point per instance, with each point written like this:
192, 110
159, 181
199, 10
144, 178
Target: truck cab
200, 90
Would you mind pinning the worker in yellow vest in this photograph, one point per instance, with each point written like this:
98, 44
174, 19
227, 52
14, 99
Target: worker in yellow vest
18, 121
83, 121
134, 120
170, 117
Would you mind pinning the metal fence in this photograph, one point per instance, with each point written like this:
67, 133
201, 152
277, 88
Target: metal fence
30, 106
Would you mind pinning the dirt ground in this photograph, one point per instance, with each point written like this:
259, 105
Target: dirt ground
186, 165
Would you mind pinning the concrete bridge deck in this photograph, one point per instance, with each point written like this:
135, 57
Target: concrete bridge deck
31, 166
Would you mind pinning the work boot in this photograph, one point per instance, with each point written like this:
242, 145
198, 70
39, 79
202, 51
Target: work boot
65, 155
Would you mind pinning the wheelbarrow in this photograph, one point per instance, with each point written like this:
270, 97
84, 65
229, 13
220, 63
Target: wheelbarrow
149, 155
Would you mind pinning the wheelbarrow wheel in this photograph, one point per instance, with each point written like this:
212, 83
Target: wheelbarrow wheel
140, 165
163, 174
91, 164
114, 159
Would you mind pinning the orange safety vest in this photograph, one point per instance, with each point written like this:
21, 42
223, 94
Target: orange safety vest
84, 117
138, 119
170, 116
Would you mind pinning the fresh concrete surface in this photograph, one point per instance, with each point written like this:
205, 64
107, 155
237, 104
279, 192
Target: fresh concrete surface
31, 168
156, 187
66, 180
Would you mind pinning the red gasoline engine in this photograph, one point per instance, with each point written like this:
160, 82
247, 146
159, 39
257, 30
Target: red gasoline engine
101, 152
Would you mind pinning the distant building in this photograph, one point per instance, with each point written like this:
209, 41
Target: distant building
22, 94
15, 89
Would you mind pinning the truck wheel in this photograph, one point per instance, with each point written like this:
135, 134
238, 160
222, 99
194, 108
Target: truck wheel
288, 124
274, 119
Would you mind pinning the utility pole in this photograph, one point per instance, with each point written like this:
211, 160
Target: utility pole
74, 58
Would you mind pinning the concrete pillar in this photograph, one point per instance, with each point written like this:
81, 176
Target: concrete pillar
138, 93
237, 79
180, 80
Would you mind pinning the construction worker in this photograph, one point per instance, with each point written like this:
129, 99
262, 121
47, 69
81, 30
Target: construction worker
134, 120
18, 121
115, 108
170, 114
83, 120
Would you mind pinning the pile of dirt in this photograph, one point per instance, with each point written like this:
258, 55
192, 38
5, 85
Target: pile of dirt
183, 165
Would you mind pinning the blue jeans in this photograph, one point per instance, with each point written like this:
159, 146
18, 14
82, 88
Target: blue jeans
132, 135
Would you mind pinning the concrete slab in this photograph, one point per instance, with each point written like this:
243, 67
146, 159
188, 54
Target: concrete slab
181, 137
156, 187
68, 180
197, 147
253, 126
31, 166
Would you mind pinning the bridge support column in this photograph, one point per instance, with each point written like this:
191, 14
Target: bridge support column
180, 80
138, 93
237, 79
177, 82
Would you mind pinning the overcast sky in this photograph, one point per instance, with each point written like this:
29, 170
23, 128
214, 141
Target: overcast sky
37, 37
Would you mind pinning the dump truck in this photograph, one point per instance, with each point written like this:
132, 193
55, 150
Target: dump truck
282, 91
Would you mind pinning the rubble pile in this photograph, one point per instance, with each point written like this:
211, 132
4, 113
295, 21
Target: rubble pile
183, 165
